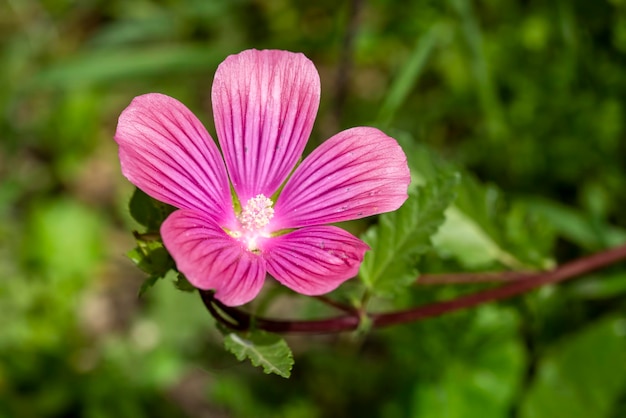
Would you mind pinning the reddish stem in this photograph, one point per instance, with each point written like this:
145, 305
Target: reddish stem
472, 278
351, 322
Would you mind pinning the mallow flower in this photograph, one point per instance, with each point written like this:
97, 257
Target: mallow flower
250, 209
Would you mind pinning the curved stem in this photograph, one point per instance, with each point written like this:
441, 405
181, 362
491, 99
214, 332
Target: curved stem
473, 278
566, 271
235, 319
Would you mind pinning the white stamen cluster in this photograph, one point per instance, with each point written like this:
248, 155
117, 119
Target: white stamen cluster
256, 213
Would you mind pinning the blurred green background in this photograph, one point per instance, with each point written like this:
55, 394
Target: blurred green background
527, 95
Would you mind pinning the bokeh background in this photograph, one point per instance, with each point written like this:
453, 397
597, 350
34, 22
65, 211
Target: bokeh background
527, 95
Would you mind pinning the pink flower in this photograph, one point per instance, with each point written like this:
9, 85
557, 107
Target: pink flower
264, 104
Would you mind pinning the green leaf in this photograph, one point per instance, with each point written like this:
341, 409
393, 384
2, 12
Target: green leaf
147, 284
402, 236
263, 349
481, 227
581, 377
475, 230
577, 226
486, 87
109, 65
183, 284
150, 255
411, 71
147, 211
483, 387
141, 207
603, 285
152, 258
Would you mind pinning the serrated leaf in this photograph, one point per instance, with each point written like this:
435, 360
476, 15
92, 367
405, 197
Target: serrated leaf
402, 236
263, 349
481, 228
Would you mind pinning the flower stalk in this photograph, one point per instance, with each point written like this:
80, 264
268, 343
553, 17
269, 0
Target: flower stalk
350, 322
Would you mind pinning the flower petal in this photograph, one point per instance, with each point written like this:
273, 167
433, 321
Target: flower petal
166, 152
356, 173
314, 260
264, 103
211, 259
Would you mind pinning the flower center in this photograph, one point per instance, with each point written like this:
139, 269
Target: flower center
254, 217
257, 213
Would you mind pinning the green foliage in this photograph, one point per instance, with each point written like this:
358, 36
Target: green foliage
150, 255
523, 97
406, 80
183, 284
62, 228
402, 236
480, 386
124, 63
582, 376
601, 286
60, 249
481, 228
147, 211
577, 226
263, 349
